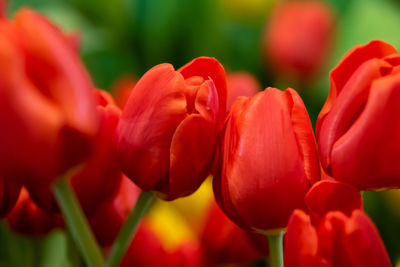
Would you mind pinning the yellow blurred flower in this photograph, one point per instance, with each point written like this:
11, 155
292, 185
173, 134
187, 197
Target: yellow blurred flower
180, 221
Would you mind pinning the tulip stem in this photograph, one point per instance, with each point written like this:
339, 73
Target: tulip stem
128, 230
77, 224
275, 249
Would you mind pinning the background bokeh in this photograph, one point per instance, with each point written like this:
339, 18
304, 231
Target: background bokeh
124, 38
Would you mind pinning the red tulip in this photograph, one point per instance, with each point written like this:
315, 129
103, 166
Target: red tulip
226, 243
45, 100
298, 37
268, 159
9, 193
358, 128
344, 236
241, 84
28, 219
100, 174
168, 130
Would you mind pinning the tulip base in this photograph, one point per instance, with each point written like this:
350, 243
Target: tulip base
77, 224
275, 249
128, 230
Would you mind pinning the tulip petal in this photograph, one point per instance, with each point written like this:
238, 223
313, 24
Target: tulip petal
44, 120
325, 196
372, 141
209, 68
101, 174
305, 136
301, 241
155, 108
364, 245
347, 108
54, 66
192, 154
340, 75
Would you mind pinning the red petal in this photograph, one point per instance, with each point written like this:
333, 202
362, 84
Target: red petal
301, 241
368, 154
363, 243
326, 196
55, 68
192, 153
340, 75
155, 108
347, 107
209, 68
305, 136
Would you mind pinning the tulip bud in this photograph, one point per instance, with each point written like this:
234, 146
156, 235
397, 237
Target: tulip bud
358, 128
46, 101
100, 175
168, 129
268, 159
298, 37
342, 236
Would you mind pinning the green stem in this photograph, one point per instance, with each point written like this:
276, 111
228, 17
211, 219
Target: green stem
275, 249
128, 230
77, 224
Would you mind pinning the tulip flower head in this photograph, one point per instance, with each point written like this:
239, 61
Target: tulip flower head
46, 101
358, 129
168, 130
298, 36
268, 159
338, 233
99, 175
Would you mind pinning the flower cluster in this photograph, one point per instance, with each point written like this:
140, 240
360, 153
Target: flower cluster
174, 129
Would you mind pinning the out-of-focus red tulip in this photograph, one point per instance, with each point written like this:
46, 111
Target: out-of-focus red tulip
122, 89
298, 37
9, 193
28, 219
240, 84
46, 101
100, 175
108, 218
268, 159
358, 128
167, 134
145, 250
344, 236
226, 243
